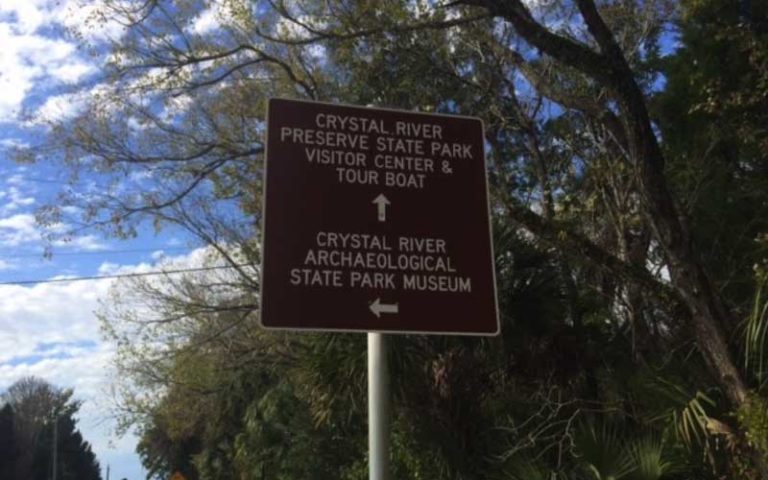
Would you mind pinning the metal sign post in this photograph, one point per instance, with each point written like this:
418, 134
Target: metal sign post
378, 408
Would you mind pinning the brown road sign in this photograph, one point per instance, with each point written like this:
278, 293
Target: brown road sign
376, 220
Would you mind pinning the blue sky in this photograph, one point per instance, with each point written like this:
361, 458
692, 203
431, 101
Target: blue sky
49, 329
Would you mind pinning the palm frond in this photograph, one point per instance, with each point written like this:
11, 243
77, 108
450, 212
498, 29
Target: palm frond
524, 468
647, 454
600, 448
756, 333
687, 413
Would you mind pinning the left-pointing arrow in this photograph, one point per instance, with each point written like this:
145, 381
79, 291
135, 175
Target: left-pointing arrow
378, 308
381, 202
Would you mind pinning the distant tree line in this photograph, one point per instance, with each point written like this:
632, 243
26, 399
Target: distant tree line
37, 419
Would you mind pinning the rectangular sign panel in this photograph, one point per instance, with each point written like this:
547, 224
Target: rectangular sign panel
375, 220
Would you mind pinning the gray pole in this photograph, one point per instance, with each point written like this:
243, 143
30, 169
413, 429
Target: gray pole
378, 408
55, 445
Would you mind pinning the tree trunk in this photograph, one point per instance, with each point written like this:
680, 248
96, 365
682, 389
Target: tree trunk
610, 68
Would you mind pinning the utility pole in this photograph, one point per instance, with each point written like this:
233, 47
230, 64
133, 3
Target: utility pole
55, 445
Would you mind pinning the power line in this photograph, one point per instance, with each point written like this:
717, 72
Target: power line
120, 275
97, 252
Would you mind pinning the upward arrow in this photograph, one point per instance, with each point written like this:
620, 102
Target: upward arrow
381, 202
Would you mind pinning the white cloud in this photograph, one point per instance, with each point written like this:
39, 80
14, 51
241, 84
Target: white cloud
16, 196
13, 143
88, 243
21, 229
15, 200
33, 58
59, 107
46, 314
29, 16
177, 106
28, 60
18, 226
71, 72
18, 229
61, 313
82, 15
15, 179
208, 20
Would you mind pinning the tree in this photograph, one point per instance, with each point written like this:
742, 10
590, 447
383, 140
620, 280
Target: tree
711, 111
8, 447
227, 401
40, 411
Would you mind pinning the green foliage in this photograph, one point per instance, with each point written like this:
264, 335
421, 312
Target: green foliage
609, 450
753, 415
756, 332
684, 412
527, 469
601, 449
647, 454
711, 112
